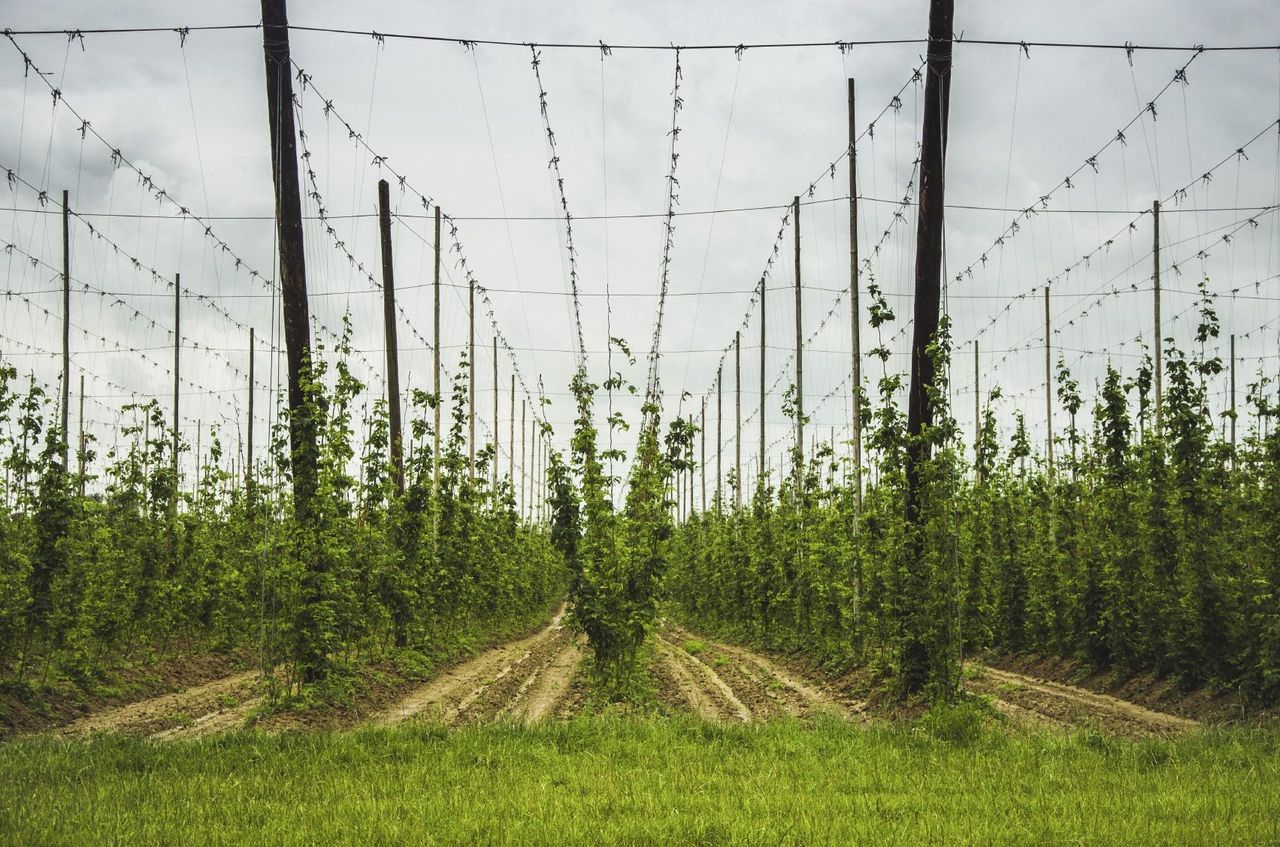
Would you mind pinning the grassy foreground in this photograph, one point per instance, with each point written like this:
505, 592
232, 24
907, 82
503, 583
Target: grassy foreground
609, 780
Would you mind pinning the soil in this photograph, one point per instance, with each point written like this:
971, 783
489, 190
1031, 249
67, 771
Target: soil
1164, 695
526, 680
1028, 698
71, 710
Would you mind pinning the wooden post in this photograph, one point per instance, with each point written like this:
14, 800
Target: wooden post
855, 311
435, 355
1233, 396
177, 347
919, 656
719, 432
66, 324
495, 416
248, 458
1155, 278
1048, 384
396, 442
737, 414
293, 268
799, 353
764, 352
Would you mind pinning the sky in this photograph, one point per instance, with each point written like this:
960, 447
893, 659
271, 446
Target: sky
461, 123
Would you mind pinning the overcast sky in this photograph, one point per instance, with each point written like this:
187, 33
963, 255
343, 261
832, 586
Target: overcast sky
463, 127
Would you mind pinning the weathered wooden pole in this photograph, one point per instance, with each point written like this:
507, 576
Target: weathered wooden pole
66, 324
919, 659
855, 311
435, 355
1048, 384
737, 415
511, 431
293, 268
799, 352
524, 455
396, 443
1155, 279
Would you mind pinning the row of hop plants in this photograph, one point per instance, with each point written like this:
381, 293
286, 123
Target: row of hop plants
124, 564
1152, 545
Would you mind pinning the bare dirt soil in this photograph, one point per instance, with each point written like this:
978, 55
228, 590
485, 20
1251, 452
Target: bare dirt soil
1029, 699
219, 704
528, 679
730, 683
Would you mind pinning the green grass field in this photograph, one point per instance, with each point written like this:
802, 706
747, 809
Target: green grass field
609, 780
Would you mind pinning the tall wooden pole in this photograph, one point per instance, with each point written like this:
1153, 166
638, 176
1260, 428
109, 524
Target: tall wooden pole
177, 347
1048, 384
396, 442
248, 457
855, 310
919, 659
799, 352
764, 352
737, 415
66, 323
1155, 278
293, 268
435, 355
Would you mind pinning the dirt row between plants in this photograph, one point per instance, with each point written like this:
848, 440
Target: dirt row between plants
1030, 700
724, 682
214, 706
525, 680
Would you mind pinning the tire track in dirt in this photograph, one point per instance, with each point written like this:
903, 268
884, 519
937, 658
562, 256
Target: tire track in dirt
217, 703
448, 697
788, 693
1067, 705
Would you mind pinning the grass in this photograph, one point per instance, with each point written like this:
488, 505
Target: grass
610, 780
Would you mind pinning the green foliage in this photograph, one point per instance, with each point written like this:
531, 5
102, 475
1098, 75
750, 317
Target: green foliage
137, 567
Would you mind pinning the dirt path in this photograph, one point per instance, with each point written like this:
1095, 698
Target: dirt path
1029, 699
220, 704
526, 678
725, 682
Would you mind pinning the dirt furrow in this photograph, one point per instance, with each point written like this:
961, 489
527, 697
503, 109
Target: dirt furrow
702, 677
453, 692
1068, 705
795, 696
223, 720
551, 687
171, 711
